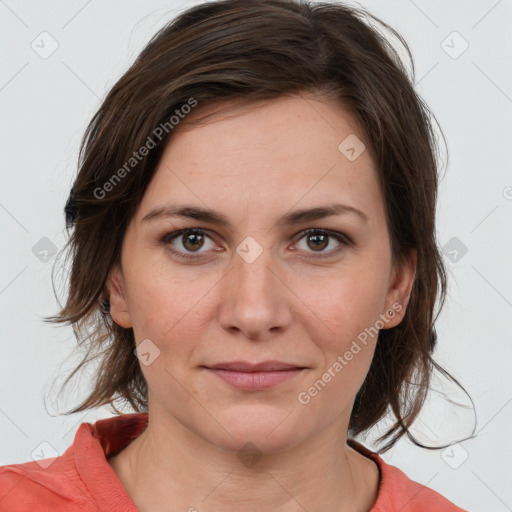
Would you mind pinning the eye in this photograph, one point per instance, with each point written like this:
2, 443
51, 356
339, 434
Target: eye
192, 240
319, 239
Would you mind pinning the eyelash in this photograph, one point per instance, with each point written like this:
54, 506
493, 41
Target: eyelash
344, 240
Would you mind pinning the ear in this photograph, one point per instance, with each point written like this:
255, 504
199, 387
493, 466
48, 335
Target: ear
119, 310
399, 291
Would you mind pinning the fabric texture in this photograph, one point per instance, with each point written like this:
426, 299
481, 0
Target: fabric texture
81, 479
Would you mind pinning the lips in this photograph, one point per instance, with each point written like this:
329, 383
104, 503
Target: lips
251, 377
246, 367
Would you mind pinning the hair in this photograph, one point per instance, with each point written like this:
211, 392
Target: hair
252, 51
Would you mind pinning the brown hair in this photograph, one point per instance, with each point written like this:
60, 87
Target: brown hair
251, 51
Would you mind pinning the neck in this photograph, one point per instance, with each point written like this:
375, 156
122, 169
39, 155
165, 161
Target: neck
169, 467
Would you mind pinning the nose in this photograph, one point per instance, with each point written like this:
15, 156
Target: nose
255, 299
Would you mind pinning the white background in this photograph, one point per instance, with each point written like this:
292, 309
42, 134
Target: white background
46, 105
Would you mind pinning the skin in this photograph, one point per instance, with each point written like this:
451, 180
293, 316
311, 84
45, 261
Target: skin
255, 164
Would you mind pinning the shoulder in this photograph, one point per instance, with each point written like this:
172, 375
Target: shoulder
398, 492
46, 485
78, 480
402, 493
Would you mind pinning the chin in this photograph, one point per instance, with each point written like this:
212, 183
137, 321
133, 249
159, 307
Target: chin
262, 429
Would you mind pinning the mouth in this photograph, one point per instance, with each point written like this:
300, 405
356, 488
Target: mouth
264, 366
255, 377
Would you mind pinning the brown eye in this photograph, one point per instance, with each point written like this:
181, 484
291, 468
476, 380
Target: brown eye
191, 241
317, 240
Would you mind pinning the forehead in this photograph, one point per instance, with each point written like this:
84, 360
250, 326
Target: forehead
281, 153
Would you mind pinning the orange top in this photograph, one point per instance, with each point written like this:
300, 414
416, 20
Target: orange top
82, 480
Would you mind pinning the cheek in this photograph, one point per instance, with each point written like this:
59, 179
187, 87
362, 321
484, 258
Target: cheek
167, 306
349, 307
346, 339
349, 302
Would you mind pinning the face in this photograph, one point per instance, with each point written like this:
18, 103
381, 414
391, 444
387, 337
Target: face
259, 286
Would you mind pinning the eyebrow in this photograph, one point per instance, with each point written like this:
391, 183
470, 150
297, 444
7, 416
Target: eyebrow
213, 217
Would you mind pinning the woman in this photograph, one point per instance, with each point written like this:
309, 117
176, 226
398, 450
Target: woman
254, 264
